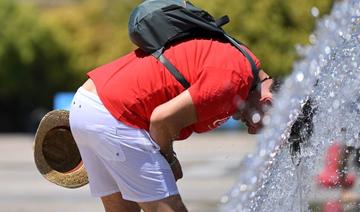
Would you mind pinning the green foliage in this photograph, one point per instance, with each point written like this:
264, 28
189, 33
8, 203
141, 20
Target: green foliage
50, 49
271, 28
96, 30
33, 66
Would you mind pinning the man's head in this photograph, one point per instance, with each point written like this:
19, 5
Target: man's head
252, 111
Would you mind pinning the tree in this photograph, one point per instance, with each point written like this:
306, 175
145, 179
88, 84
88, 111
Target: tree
97, 29
33, 65
49, 49
94, 30
271, 28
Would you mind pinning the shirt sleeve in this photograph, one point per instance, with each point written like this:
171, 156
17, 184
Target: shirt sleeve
215, 92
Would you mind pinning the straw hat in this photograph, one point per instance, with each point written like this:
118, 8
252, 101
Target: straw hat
56, 154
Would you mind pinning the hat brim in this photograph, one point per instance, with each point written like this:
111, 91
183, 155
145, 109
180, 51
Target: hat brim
77, 175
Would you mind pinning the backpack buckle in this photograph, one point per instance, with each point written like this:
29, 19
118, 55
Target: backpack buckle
222, 21
158, 53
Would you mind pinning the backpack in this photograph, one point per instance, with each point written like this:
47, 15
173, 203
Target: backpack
154, 24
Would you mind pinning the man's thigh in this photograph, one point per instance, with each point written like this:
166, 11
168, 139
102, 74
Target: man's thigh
115, 203
172, 203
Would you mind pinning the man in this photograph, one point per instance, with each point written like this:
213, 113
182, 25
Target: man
127, 115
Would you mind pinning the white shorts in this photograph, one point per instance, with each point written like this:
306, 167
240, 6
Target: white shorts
118, 158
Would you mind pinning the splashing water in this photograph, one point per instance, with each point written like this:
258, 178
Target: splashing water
330, 73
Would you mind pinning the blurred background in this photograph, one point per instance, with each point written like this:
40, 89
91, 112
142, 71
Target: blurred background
47, 46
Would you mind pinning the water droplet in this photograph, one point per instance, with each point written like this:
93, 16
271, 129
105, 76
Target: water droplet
253, 179
317, 71
224, 199
332, 94
243, 187
300, 77
255, 118
312, 39
262, 153
252, 194
315, 12
327, 50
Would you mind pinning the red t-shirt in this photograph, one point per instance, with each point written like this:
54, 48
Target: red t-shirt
132, 86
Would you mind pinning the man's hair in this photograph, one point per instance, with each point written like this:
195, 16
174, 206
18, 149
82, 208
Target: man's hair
276, 85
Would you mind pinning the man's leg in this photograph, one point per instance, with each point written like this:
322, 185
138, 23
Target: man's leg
115, 203
169, 204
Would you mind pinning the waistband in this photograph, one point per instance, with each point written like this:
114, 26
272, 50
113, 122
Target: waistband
89, 95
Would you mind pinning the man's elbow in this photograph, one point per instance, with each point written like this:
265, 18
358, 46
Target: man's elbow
160, 122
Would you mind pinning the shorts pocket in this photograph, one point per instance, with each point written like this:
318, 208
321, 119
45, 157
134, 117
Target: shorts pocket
152, 144
139, 140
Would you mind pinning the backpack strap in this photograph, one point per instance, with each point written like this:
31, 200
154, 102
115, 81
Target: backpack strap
254, 69
171, 68
181, 79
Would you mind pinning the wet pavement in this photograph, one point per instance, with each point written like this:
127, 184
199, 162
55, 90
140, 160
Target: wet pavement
209, 163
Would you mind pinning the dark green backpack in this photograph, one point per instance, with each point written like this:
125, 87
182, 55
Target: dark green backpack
156, 23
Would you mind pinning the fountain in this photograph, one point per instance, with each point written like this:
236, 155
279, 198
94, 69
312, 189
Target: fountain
273, 179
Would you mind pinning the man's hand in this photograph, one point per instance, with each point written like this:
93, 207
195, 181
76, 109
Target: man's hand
166, 122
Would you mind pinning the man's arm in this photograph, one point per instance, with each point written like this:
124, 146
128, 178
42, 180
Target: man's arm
169, 118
